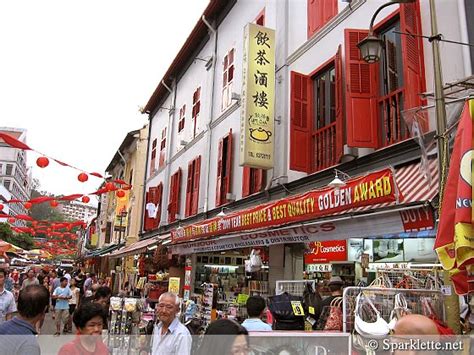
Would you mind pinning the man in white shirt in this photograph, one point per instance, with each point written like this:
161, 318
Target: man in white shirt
169, 335
7, 300
255, 307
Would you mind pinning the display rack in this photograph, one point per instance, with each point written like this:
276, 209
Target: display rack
411, 278
384, 301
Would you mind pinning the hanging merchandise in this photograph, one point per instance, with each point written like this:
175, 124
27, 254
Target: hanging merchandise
312, 303
208, 300
254, 263
377, 329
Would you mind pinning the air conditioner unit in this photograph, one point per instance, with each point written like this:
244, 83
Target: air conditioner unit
235, 96
182, 142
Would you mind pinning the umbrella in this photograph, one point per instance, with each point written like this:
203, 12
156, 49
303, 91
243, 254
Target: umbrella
6, 247
455, 229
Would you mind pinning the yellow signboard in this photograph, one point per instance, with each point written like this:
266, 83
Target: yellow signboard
121, 217
173, 285
258, 97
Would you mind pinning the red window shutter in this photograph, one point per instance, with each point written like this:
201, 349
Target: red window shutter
258, 180
412, 54
330, 9
246, 181
300, 133
171, 204
147, 220
152, 192
361, 94
196, 182
228, 167
219, 172
314, 16
189, 189
177, 191
157, 202
339, 106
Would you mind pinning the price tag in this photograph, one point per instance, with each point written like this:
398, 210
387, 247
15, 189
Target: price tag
446, 290
297, 308
311, 310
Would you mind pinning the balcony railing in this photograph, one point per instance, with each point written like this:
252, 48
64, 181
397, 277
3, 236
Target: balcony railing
393, 128
324, 145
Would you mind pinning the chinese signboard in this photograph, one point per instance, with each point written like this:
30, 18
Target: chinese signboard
173, 285
258, 92
375, 188
326, 251
319, 268
121, 211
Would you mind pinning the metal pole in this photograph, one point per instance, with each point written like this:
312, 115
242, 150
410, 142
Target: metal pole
451, 301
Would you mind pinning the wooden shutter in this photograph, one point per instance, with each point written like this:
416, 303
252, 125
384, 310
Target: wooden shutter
412, 54
228, 167
219, 172
300, 133
189, 189
147, 220
329, 10
314, 16
157, 202
361, 94
339, 106
258, 179
246, 181
174, 203
152, 194
196, 183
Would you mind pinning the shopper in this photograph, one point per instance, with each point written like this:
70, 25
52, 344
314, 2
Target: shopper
53, 285
89, 319
89, 282
7, 300
335, 287
62, 295
30, 279
73, 302
224, 337
32, 303
255, 308
169, 335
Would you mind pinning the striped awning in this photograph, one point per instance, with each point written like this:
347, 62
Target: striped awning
416, 182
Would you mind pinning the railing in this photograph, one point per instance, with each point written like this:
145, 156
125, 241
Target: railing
324, 143
393, 127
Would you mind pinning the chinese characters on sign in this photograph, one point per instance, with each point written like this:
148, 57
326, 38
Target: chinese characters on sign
258, 92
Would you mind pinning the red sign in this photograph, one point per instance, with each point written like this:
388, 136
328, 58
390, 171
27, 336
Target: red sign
417, 219
375, 188
326, 251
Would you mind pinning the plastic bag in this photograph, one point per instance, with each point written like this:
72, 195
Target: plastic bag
254, 263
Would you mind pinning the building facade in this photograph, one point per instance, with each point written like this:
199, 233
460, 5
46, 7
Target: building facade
332, 111
15, 175
76, 210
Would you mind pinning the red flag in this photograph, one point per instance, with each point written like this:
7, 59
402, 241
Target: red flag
455, 228
70, 197
13, 142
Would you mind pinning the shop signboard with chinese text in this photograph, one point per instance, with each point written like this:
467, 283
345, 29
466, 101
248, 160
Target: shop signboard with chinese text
318, 267
326, 251
371, 189
257, 97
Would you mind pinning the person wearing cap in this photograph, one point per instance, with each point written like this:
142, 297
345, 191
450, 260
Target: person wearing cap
335, 287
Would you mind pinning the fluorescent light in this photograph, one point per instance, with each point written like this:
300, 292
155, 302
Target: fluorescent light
215, 265
153, 247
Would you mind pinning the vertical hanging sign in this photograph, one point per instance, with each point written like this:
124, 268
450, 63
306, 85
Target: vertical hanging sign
258, 97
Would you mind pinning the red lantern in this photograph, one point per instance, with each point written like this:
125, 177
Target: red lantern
11, 220
120, 193
42, 162
110, 186
82, 177
27, 205
1, 207
85, 199
53, 203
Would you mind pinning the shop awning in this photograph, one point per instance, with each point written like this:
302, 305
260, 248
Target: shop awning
103, 251
415, 182
138, 247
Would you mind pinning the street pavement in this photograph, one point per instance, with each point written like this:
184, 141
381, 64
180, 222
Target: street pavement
49, 326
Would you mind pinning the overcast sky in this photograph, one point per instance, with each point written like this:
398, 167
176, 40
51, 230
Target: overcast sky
74, 73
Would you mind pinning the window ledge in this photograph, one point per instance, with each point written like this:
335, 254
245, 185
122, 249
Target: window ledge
321, 33
187, 146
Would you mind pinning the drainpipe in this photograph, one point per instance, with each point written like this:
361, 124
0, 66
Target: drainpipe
211, 114
144, 177
169, 139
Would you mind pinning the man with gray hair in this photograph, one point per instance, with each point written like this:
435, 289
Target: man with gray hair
169, 335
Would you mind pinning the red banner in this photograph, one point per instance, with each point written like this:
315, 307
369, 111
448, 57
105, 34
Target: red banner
326, 251
374, 188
